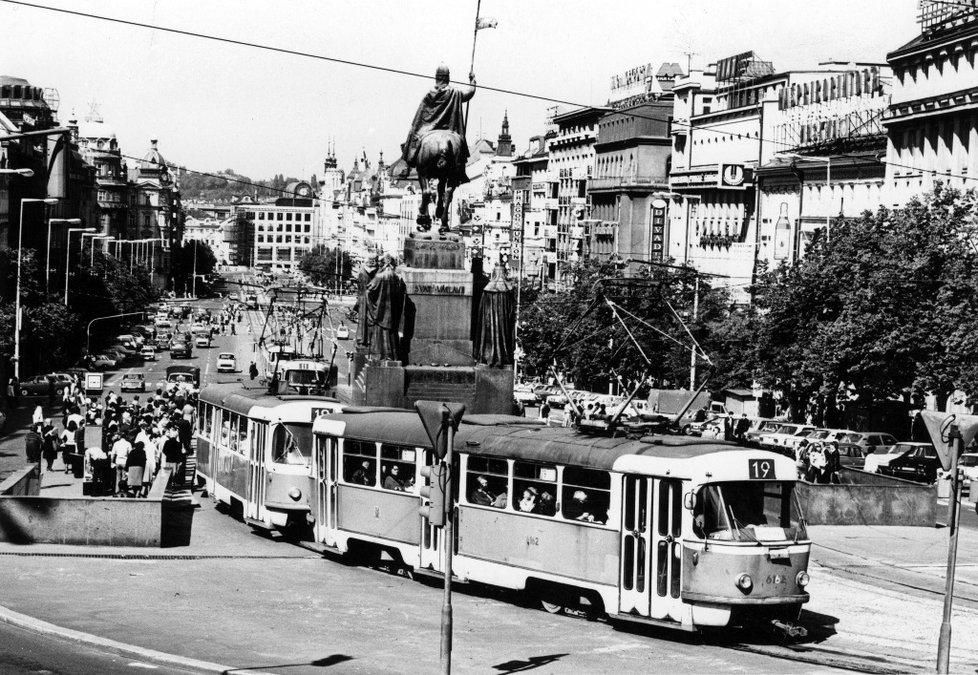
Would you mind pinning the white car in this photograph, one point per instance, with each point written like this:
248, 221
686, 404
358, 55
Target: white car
784, 437
884, 456
202, 341
226, 363
148, 353
342, 333
969, 466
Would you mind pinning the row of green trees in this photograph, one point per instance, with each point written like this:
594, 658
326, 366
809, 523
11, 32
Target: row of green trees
884, 307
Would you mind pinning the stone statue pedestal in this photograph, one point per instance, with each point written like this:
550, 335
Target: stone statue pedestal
436, 339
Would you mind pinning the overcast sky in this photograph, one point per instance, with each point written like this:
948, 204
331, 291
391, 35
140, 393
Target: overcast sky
215, 106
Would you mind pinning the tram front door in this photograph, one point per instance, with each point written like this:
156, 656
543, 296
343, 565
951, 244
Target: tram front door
651, 548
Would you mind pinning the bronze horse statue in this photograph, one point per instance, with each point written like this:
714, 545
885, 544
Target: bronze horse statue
441, 168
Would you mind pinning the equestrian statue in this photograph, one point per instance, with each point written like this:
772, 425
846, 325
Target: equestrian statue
436, 147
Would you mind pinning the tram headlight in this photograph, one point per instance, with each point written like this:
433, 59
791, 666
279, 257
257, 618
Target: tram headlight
802, 579
745, 583
296, 494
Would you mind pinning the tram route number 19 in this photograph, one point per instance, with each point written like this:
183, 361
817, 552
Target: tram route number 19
760, 469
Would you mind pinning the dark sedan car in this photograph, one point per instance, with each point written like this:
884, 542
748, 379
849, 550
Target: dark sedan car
918, 463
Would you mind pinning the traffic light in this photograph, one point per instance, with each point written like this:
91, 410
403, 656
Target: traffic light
435, 492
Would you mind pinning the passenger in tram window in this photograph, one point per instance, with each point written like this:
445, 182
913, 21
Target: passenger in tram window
529, 501
481, 495
546, 506
500, 501
364, 475
393, 479
578, 508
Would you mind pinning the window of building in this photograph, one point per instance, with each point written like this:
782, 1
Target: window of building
308, 228
308, 218
279, 216
288, 216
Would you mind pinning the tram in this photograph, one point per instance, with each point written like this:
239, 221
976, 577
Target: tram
670, 530
254, 452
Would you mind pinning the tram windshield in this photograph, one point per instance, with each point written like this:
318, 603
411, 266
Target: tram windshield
292, 443
749, 511
304, 377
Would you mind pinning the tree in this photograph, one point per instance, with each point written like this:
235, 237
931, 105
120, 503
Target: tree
322, 264
610, 326
187, 259
887, 307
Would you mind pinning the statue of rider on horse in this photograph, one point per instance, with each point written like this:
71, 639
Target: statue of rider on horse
436, 146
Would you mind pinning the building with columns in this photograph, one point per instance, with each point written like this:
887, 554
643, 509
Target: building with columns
932, 122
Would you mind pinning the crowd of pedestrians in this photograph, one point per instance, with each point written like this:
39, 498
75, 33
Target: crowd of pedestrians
818, 462
138, 436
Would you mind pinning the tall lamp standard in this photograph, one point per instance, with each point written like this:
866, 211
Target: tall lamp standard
91, 259
68, 255
18, 320
47, 258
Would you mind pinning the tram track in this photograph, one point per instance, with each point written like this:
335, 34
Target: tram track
831, 658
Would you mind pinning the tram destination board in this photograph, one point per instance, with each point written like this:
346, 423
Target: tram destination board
760, 469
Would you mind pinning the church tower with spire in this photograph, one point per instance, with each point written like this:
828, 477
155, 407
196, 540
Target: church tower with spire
504, 144
332, 174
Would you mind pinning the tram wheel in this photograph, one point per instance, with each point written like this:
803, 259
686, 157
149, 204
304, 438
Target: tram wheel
551, 607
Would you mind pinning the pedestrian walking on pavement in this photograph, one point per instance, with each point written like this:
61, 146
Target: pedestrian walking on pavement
33, 443
13, 391
49, 450
68, 444
252, 370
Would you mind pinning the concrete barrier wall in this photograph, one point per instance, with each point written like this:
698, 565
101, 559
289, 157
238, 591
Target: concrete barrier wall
85, 521
22, 483
869, 499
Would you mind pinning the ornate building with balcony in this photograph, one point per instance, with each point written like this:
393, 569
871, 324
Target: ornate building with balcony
932, 121
99, 147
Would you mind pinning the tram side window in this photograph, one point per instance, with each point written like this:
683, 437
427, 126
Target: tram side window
205, 420
290, 442
535, 488
360, 462
229, 430
586, 495
486, 481
397, 467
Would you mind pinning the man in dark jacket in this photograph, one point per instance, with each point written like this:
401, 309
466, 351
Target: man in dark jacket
33, 442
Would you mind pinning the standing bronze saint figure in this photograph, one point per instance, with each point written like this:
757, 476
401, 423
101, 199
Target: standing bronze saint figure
384, 307
436, 145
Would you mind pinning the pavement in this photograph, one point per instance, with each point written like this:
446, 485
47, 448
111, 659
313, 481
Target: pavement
234, 599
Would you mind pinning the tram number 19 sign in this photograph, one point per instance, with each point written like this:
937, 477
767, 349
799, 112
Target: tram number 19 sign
760, 469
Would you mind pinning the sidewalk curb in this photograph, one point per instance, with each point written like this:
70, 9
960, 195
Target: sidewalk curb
13, 618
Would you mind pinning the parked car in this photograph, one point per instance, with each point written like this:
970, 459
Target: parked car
102, 362
876, 460
163, 340
919, 463
869, 441
782, 438
148, 353
226, 362
851, 456
164, 323
202, 340
969, 466
39, 385
342, 333
130, 339
767, 427
133, 382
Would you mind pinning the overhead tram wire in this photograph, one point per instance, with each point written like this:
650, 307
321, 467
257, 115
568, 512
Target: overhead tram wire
408, 73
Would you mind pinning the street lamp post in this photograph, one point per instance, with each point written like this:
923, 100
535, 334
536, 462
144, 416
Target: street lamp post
68, 255
47, 258
91, 259
18, 323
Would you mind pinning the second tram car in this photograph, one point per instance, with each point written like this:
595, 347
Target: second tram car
254, 452
677, 531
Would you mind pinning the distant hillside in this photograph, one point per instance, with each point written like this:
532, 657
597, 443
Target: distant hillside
223, 185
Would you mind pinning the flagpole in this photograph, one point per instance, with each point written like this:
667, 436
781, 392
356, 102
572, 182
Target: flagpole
475, 35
